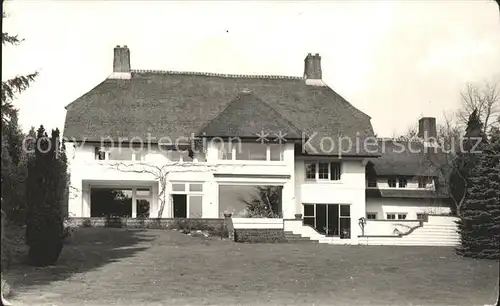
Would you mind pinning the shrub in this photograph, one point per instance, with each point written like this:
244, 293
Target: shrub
46, 188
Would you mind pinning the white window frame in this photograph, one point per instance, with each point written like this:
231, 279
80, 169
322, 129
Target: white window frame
371, 213
268, 154
316, 176
387, 216
188, 193
399, 179
402, 214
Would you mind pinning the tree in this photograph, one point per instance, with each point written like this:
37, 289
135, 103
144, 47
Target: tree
266, 203
479, 224
46, 187
14, 86
465, 159
485, 100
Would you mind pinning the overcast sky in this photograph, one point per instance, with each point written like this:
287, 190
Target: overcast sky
394, 60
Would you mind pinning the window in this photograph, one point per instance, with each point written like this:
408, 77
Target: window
403, 182
178, 187
100, 153
421, 216
335, 171
401, 216
250, 151
422, 182
371, 216
309, 217
310, 171
143, 202
323, 171
195, 187
276, 152
372, 182
391, 182
178, 156
391, 216
329, 219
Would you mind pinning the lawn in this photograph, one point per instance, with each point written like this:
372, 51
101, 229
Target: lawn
155, 267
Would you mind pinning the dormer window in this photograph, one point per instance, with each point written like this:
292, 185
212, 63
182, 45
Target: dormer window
99, 153
392, 182
423, 181
403, 182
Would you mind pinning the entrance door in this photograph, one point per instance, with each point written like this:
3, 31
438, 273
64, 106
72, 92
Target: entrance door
180, 205
328, 219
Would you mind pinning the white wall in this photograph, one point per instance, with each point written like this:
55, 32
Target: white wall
350, 189
85, 170
382, 206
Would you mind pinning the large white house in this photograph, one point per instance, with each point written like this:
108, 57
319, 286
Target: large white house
168, 144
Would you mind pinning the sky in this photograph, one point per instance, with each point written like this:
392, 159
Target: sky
394, 60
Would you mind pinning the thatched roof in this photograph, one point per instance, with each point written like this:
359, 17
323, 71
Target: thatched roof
174, 104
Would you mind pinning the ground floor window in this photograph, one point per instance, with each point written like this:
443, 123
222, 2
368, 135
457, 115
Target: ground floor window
391, 216
187, 200
329, 219
250, 200
118, 202
402, 216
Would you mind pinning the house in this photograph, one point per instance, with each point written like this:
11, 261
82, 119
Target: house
171, 144
406, 182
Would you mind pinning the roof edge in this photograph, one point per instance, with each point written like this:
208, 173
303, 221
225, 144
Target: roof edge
224, 75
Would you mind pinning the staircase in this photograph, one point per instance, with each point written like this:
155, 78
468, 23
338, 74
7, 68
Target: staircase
296, 238
437, 231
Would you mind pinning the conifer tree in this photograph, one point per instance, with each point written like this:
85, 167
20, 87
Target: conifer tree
46, 188
479, 225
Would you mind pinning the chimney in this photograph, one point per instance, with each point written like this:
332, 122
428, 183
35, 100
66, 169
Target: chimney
427, 129
121, 63
312, 70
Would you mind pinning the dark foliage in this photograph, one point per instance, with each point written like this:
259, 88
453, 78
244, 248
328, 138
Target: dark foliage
266, 203
479, 225
46, 188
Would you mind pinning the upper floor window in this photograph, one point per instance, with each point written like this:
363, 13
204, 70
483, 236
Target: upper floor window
371, 215
403, 182
323, 171
119, 153
250, 151
178, 156
391, 182
372, 182
422, 182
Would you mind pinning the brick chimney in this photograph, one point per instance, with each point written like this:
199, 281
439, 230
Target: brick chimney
121, 63
427, 131
312, 70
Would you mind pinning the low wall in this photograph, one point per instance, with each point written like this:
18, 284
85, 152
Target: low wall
442, 220
389, 227
213, 226
258, 230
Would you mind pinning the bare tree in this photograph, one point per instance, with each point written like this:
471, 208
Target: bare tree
444, 160
485, 99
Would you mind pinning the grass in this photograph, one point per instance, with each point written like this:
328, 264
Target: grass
154, 267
